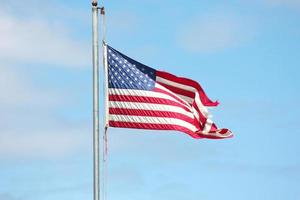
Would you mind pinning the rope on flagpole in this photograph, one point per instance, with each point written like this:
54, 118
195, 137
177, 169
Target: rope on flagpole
105, 164
105, 87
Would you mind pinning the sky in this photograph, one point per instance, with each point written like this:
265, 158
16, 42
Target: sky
245, 54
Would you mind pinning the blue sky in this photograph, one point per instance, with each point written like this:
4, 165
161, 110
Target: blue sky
244, 53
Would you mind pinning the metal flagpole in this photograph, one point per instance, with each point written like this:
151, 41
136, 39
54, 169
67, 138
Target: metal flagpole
95, 100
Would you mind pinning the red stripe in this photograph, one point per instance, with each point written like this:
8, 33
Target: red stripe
201, 116
154, 127
150, 113
171, 95
212, 135
178, 90
213, 128
144, 99
185, 81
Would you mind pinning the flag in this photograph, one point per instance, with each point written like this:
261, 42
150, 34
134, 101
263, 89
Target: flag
145, 98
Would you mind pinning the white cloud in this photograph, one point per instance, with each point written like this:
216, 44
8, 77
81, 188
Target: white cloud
213, 33
39, 41
17, 92
27, 127
29, 124
42, 143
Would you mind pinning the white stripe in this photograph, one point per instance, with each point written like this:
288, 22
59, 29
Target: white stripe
150, 106
182, 97
196, 114
219, 135
227, 134
201, 107
186, 98
189, 100
207, 126
153, 120
175, 84
114, 91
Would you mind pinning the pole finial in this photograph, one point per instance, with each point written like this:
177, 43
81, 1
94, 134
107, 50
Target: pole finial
95, 2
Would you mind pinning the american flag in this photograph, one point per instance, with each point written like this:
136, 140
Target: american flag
144, 98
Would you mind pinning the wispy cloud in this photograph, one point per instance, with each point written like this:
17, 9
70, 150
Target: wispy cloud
17, 91
55, 143
27, 126
214, 32
36, 40
28, 117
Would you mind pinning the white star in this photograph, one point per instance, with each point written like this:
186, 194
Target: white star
120, 69
125, 61
120, 62
109, 50
140, 83
149, 85
130, 82
127, 78
127, 70
123, 74
135, 79
112, 61
141, 76
131, 74
124, 66
112, 77
119, 77
145, 81
122, 81
117, 58
112, 69
116, 73
113, 55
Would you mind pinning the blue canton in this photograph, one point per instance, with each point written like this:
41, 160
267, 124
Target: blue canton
126, 73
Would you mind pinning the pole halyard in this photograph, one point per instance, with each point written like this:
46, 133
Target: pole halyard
96, 168
106, 111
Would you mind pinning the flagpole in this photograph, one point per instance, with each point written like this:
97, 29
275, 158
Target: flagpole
96, 175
